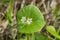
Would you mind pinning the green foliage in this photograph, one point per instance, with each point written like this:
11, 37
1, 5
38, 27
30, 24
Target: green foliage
33, 12
54, 9
58, 30
3, 0
55, 12
52, 31
41, 36
33, 21
8, 15
8, 11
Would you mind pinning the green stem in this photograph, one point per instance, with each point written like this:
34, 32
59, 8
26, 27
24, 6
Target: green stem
28, 36
33, 37
19, 36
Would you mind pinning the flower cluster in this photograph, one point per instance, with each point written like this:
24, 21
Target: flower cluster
28, 20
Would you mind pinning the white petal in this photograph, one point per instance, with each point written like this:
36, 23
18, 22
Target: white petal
23, 19
29, 20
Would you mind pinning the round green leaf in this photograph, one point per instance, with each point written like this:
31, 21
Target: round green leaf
37, 19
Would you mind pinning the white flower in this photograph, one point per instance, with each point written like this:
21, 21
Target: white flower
23, 19
29, 20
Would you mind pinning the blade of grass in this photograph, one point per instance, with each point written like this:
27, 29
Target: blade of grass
8, 11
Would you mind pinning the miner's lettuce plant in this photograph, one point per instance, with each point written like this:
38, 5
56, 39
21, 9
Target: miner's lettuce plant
29, 20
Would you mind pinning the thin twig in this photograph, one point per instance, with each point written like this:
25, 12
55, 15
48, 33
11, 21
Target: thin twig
45, 6
22, 4
33, 2
39, 4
